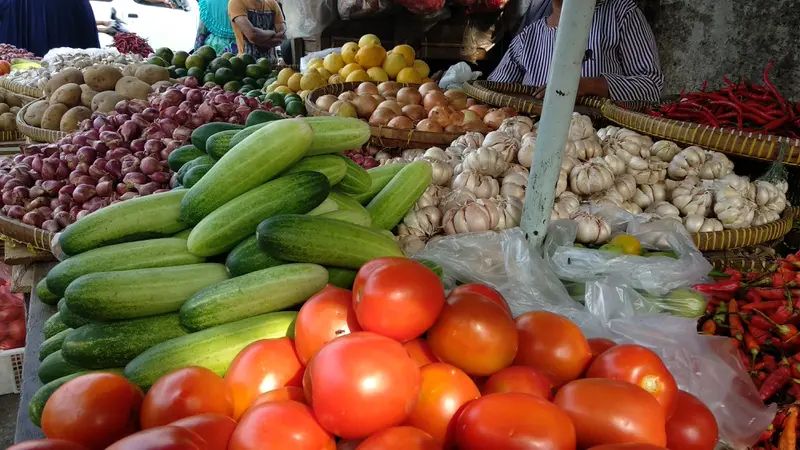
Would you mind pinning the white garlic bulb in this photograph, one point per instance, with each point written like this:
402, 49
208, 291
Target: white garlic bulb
561, 184
410, 154
382, 156
514, 185
569, 162
608, 197
664, 150
590, 177
647, 171
570, 202
734, 211
432, 196
646, 195
397, 160
664, 209
485, 161
482, 186
584, 149
770, 196
456, 198
580, 127
763, 216
632, 208
455, 153
510, 212
477, 216
503, 143
700, 224
526, 147
411, 244
471, 139
423, 222
592, 229
436, 153
442, 172
696, 201
517, 126
717, 165
686, 163
516, 168
614, 163
625, 143
625, 186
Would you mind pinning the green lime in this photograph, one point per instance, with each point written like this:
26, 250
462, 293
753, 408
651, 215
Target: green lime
219, 63
248, 58
244, 89
273, 74
270, 81
254, 93
276, 98
172, 73
223, 75
261, 82
206, 52
181, 72
209, 84
157, 60
292, 98
295, 108
180, 59
228, 55
265, 64
262, 98
248, 80
209, 78
196, 72
232, 86
165, 54
238, 65
254, 71
195, 61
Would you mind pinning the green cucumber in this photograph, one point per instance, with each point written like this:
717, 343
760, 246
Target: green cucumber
147, 217
248, 257
199, 161
53, 326
356, 180
395, 200
243, 134
201, 134
336, 134
44, 294
163, 252
381, 176
69, 318
183, 234
329, 165
251, 163
194, 174
54, 366
213, 348
260, 116
356, 217
346, 202
129, 294
253, 294
327, 242
342, 278
219, 144
114, 344
53, 344
237, 219
40, 398
325, 207
182, 155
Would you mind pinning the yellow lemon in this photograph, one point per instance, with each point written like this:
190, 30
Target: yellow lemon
284, 75
393, 64
370, 56
348, 69
294, 82
303, 94
311, 81
409, 75
422, 68
408, 53
377, 75
358, 76
335, 79
284, 90
271, 88
628, 244
313, 63
369, 39
333, 62
324, 72
349, 52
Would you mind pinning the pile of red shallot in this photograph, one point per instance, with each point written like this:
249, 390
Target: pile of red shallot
364, 157
112, 158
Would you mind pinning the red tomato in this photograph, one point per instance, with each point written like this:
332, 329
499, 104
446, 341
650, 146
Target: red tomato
94, 410
552, 344
322, 318
486, 291
362, 383
445, 389
419, 350
612, 412
400, 300
162, 438
366, 270
183, 393
47, 444
640, 366
513, 421
693, 426
400, 438
629, 447
474, 334
261, 367
285, 393
5, 67
280, 425
521, 379
215, 429
599, 346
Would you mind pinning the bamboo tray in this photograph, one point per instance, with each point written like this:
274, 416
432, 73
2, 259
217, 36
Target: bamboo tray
11, 136
765, 147
34, 133
382, 136
20, 89
18, 232
745, 237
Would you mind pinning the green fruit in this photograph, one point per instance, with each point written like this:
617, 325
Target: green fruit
248, 59
173, 71
261, 82
255, 71
232, 86
253, 93
265, 64
292, 98
219, 63
196, 72
238, 65
180, 59
206, 52
157, 60
195, 61
209, 84
276, 99
165, 54
223, 75
248, 81
295, 108
228, 55
612, 248
181, 72
209, 78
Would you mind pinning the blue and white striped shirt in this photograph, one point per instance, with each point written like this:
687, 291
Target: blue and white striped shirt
623, 51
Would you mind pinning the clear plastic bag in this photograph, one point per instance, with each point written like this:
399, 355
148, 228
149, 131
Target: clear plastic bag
320, 54
359, 9
305, 18
458, 73
705, 366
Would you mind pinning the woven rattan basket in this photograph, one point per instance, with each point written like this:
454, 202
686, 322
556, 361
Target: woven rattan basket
20, 89
738, 143
34, 133
745, 237
750, 259
382, 136
11, 136
18, 232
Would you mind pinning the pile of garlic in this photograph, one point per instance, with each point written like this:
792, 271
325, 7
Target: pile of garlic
479, 183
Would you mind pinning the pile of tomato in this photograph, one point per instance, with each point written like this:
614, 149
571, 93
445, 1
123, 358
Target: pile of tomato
396, 364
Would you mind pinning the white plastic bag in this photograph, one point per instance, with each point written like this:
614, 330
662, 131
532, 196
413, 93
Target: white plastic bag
320, 54
705, 366
457, 74
305, 18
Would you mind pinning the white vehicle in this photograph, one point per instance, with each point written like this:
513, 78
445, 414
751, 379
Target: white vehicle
161, 26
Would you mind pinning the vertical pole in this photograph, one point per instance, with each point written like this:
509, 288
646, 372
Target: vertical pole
559, 102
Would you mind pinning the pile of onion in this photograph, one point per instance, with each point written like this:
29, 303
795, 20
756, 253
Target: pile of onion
112, 158
364, 157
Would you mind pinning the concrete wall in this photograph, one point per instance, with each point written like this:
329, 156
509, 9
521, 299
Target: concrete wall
706, 39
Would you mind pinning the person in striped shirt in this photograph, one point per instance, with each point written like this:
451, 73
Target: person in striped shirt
621, 61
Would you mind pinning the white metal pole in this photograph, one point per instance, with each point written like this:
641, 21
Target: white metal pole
559, 102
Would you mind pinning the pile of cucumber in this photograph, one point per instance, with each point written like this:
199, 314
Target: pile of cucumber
267, 216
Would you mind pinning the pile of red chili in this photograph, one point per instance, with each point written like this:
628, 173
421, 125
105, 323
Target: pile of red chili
748, 107
132, 43
760, 312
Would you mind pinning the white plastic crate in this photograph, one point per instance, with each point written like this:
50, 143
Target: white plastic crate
11, 371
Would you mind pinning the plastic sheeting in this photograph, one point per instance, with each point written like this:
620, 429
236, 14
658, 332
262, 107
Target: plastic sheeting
305, 18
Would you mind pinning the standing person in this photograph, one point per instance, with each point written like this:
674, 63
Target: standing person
41, 25
215, 30
259, 27
621, 59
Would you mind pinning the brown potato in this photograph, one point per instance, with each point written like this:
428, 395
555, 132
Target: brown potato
101, 77
104, 102
73, 118
133, 87
130, 70
4, 108
68, 94
51, 120
35, 112
7, 122
151, 73
68, 75
87, 94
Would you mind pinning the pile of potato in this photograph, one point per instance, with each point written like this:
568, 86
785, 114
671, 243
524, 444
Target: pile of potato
9, 106
73, 95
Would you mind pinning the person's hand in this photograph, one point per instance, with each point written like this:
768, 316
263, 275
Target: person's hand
538, 94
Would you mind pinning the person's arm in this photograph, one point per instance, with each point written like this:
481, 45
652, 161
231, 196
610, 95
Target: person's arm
642, 78
280, 25
237, 12
510, 70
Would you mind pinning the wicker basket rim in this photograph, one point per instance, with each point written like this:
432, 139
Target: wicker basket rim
35, 133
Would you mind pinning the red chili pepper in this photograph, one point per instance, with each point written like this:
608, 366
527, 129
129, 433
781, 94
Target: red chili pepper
752, 345
770, 363
759, 322
763, 306
767, 434
709, 327
735, 274
771, 293
774, 381
782, 279
737, 329
752, 296
780, 315
787, 332
788, 439
720, 286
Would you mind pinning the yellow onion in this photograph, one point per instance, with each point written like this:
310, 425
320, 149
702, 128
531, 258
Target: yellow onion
457, 99
409, 96
429, 126
402, 122
325, 102
365, 105
493, 119
393, 105
389, 88
382, 117
415, 112
367, 88
433, 99
429, 87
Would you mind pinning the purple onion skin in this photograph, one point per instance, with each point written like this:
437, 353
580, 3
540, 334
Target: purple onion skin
86, 155
118, 153
63, 218
53, 186
11, 184
36, 192
150, 165
128, 195
153, 146
114, 167
37, 203
122, 107
130, 164
160, 177
122, 189
46, 211
147, 188
16, 212
130, 130
33, 218
83, 193
182, 133
51, 225
81, 214
105, 188
133, 179
151, 114
137, 145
